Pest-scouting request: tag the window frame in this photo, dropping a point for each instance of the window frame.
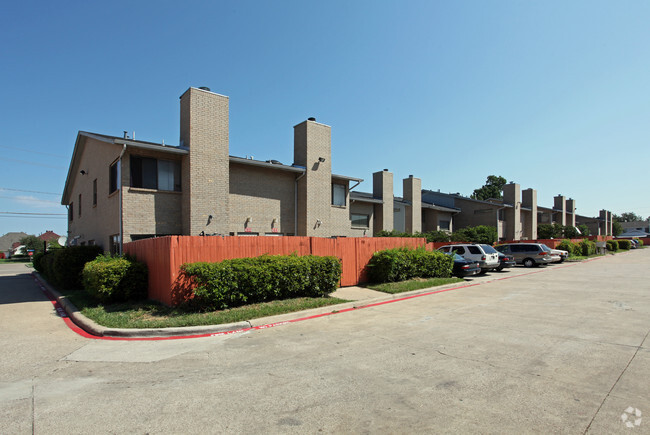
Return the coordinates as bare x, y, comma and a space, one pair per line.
113, 177
145, 173
345, 194
95, 192
367, 220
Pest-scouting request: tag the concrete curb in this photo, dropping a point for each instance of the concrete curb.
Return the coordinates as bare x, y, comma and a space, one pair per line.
101, 331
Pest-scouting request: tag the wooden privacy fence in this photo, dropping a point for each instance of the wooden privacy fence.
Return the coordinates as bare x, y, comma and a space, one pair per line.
165, 255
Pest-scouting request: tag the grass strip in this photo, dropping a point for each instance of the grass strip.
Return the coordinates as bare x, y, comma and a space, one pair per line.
149, 314
412, 284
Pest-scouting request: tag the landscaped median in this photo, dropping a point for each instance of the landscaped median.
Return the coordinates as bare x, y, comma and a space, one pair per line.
231, 293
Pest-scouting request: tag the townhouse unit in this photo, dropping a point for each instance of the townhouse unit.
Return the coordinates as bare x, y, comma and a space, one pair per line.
119, 189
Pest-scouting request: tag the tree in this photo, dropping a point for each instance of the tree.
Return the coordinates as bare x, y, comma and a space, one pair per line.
492, 188
629, 216
32, 242
617, 228
584, 229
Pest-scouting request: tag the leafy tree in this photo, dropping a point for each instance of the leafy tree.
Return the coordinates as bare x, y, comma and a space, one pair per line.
548, 231
479, 234
629, 216
32, 242
617, 228
570, 232
492, 188
584, 229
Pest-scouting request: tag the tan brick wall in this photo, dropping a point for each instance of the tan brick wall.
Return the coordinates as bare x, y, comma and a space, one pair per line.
571, 212
312, 141
477, 213
431, 220
559, 203
512, 215
96, 222
204, 129
382, 187
412, 188
263, 195
529, 219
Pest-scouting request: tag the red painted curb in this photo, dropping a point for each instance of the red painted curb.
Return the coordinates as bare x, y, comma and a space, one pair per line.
61, 312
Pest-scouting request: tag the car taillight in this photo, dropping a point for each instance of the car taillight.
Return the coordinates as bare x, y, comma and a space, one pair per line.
483, 258
543, 253
466, 266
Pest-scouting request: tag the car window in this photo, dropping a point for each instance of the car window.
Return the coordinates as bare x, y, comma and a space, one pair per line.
474, 250
501, 248
444, 249
517, 248
457, 257
459, 250
488, 249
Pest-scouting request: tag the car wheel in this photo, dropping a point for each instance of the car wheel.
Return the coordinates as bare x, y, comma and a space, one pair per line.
529, 262
499, 269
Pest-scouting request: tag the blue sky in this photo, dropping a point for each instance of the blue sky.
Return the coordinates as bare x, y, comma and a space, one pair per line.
552, 95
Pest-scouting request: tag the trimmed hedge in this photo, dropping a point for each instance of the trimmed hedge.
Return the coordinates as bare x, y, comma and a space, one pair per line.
624, 244
570, 247
640, 242
399, 264
63, 267
612, 245
115, 279
587, 248
241, 281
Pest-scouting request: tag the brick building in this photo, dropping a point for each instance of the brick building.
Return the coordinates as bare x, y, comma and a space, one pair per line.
120, 189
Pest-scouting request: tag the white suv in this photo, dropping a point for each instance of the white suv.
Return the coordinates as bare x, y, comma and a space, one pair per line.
485, 255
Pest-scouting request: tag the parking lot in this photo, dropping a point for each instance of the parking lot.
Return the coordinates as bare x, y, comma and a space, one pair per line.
559, 349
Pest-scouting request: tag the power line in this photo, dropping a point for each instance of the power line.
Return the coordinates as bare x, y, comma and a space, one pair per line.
32, 151
33, 163
29, 191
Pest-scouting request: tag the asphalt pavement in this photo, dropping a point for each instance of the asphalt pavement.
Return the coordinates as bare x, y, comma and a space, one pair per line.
561, 350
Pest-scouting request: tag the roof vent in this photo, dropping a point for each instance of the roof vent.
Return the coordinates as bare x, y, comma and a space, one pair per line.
204, 88
311, 119
126, 134
385, 170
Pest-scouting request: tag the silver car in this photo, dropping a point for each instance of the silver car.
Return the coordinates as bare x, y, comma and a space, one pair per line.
528, 254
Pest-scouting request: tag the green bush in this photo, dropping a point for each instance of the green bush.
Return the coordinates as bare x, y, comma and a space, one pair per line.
115, 279
240, 281
640, 242
550, 231
570, 247
63, 267
570, 232
587, 247
481, 234
612, 245
624, 244
431, 236
584, 230
399, 264
37, 261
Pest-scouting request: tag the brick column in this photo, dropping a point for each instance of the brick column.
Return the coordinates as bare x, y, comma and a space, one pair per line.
559, 204
413, 194
570, 212
206, 170
511, 195
382, 188
529, 200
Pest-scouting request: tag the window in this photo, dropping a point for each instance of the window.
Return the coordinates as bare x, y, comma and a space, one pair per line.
79, 205
71, 212
444, 225
501, 215
338, 195
91, 243
94, 192
114, 244
149, 173
112, 177
474, 250
458, 250
360, 220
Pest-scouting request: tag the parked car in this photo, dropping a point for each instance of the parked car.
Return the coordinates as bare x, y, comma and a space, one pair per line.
528, 254
635, 243
505, 261
558, 255
479, 253
462, 267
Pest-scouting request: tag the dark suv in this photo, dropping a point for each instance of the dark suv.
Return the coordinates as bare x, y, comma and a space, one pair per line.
528, 254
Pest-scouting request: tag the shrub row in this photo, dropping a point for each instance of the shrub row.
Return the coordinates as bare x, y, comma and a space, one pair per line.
63, 267
115, 279
240, 281
398, 264
612, 245
624, 244
479, 234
